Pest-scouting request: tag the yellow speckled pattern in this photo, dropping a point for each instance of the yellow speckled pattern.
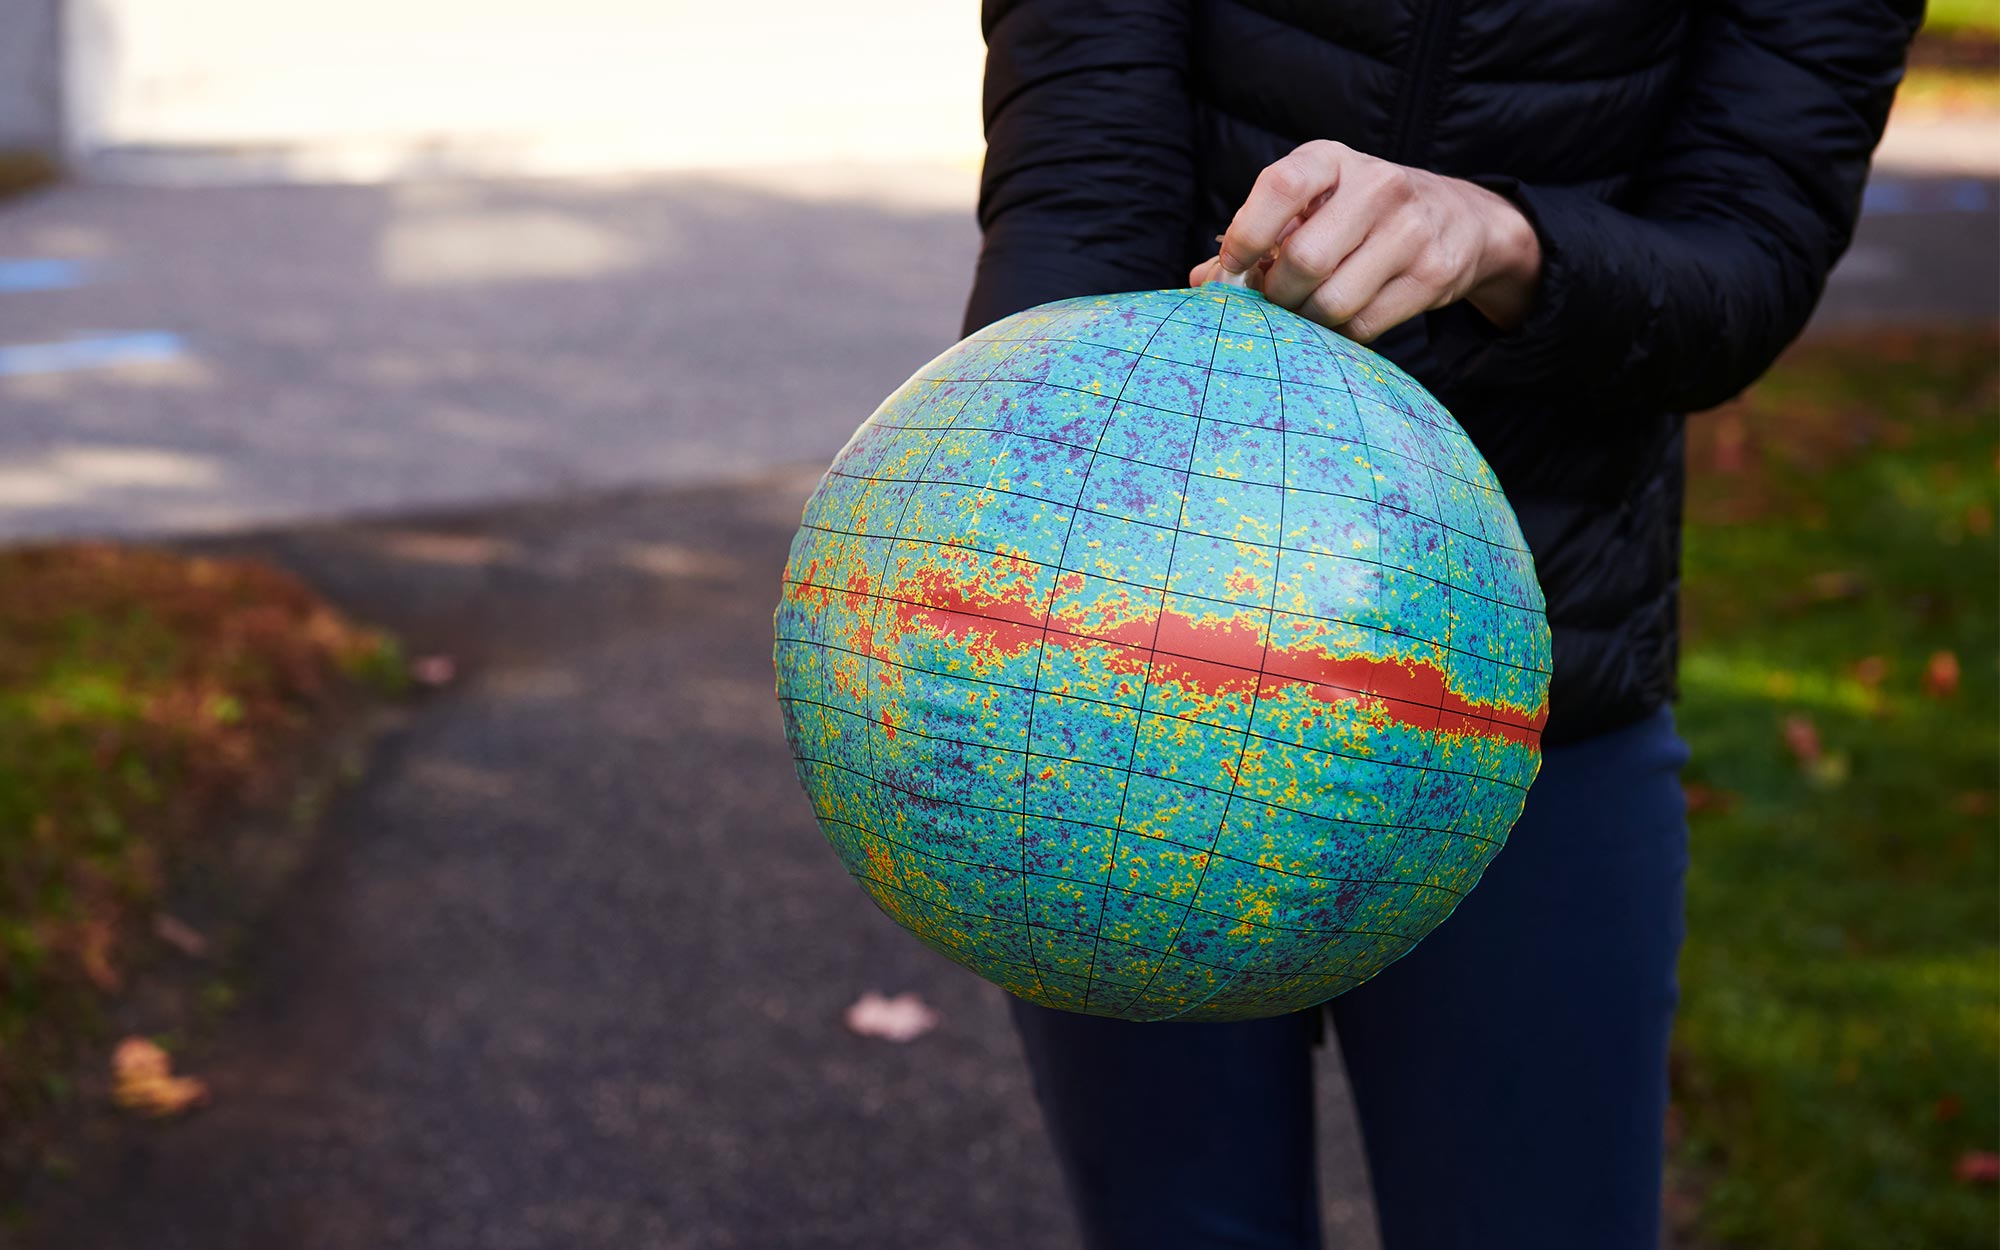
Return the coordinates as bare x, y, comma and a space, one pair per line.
1163, 656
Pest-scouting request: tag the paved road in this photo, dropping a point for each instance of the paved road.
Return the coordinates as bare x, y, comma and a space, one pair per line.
292, 353
569, 969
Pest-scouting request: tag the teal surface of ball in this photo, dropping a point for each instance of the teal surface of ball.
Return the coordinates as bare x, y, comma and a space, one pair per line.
1163, 656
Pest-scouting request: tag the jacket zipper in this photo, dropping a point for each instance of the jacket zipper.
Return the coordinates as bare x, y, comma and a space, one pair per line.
1420, 87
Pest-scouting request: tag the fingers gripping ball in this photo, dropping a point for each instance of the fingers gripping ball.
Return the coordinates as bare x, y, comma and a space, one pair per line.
1163, 656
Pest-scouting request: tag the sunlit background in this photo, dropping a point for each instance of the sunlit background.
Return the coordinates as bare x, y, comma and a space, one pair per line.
378, 88
396, 808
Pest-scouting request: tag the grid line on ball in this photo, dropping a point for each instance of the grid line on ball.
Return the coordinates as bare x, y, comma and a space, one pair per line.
1041, 657
1505, 603
1447, 658
1052, 876
903, 534
1243, 753
1139, 716
928, 903
1206, 911
1310, 966
918, 794
1448, 589
1139, 403
1085, 698
972, 915
874, 618
1384, 456
1454, 657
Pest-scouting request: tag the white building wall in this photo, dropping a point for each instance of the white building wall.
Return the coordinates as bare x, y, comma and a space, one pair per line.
369, 88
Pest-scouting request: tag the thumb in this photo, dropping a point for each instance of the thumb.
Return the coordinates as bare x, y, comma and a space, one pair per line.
1227, 265
1225, 268
1208, 271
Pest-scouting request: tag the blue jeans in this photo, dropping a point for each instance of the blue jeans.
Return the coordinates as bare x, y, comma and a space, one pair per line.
1510, 1073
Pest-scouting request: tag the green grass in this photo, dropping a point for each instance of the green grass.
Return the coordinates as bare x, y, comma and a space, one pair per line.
1963, 17
1955, 16
140, 691
1838, 1050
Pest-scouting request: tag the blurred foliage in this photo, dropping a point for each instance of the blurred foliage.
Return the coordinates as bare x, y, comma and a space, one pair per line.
1838, 1052
1945, 17
1954, 64
1932, 89
140, 692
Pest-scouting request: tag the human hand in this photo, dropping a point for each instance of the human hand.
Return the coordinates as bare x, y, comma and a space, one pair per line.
1361, 244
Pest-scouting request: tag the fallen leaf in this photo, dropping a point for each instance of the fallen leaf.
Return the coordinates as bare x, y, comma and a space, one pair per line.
433, 670
180, 935
1831, 770
1870, 670
1974, 802
1824, 768
903, 1018
1947, 1108
1802, 739
1706, 798
143, 1080
1835, 585
1897, 346
1941, 675
97, 947
1978, 1167
1732, 444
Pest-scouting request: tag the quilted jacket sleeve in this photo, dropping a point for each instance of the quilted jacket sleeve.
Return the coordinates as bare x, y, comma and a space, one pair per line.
1088, 185
1684, 293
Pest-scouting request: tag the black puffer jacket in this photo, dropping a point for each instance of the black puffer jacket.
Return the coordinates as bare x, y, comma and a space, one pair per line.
1693, 171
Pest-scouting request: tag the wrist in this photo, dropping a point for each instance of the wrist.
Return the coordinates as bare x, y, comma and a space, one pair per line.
1510, 267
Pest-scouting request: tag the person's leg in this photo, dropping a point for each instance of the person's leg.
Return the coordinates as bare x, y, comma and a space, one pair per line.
1511, 1071
1177, 1136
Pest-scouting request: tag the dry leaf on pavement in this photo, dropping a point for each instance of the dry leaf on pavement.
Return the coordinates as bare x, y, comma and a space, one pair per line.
433, 670
180, 935
903, 1018
143, 1080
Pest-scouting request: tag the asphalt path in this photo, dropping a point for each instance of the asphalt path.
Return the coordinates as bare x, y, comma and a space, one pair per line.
569, 967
